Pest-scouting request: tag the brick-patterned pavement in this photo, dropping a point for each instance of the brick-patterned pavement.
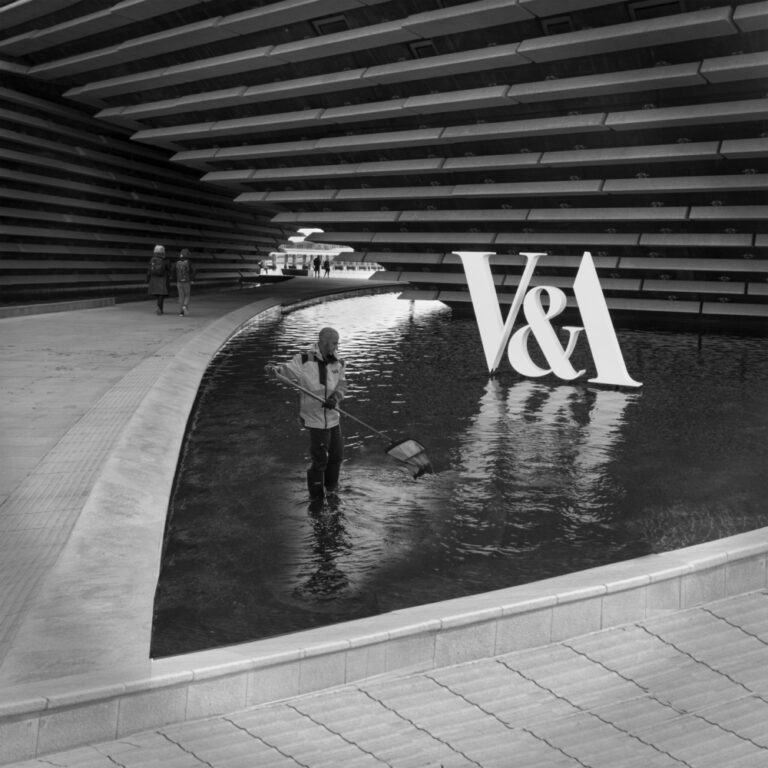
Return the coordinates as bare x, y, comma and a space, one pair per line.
689, 690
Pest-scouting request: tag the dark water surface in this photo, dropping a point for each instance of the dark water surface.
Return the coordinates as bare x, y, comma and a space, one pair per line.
534, 478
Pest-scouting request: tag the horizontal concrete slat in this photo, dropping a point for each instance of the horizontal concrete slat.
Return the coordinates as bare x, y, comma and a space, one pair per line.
459, 296
751, 17
453, 101
544, 8
671, 76
69, 278
696, 240
340, 43
690, 114
419, 295
278, 149
398, 167
41, 39
437, 278
417, 137
343, 237
337, 217
728, 212
701, 150
564, 124
479, 215
744, 148
401, 257
491, 162
606, 283
694, 286
465, 18
376, 168
394, 193
636, 34
476, 60
100, 265
140, 173
233, 127
164, 42
378, 110
694, 265
734, 309
231, 63
497, 260
666, 213
280, 14
449, 239
579, 187
585, 239
548, 260
653, 305
19, 13
744, 182
742, 66
237, 96
224, 176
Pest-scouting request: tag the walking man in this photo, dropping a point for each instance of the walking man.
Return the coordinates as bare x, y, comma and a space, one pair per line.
322, 373
185, 274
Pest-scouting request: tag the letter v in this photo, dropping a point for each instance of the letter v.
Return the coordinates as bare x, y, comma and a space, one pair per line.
494, 333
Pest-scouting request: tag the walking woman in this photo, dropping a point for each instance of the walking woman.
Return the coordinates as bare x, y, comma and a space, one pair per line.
158, 277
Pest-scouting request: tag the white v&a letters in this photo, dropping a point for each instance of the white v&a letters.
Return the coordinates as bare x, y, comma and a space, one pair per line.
496, 334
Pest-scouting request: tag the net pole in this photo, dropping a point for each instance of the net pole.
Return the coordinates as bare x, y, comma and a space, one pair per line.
298, 386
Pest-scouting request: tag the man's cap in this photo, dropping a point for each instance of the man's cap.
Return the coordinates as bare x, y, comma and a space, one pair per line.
159, 249
185, 252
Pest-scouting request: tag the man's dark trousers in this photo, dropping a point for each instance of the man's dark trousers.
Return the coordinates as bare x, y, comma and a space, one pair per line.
326, 448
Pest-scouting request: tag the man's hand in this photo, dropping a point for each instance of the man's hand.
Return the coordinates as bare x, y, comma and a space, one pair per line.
330, 402
271, 370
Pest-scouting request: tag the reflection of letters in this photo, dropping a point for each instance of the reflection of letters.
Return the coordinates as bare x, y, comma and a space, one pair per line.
495, 333
553, 444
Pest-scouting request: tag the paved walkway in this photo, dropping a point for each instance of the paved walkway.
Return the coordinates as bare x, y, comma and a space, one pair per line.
685, 688
686, 691
70, 384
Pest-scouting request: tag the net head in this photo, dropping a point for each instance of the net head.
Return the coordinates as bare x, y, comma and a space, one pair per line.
412, 453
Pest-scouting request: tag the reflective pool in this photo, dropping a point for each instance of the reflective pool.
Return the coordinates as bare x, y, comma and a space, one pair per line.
534, 478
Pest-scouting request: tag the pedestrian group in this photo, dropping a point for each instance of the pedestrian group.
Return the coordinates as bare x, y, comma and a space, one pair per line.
161, 271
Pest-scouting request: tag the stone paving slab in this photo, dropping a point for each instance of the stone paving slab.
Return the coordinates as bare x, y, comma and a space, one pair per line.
603, 701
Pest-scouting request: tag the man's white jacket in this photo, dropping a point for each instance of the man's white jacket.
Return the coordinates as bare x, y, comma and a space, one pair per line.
322, 378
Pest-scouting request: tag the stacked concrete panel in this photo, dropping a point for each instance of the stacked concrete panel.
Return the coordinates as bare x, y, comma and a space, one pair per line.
408, 130
82, 207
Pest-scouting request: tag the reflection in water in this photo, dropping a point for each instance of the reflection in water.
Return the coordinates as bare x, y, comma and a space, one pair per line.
329, 541
534, 478
551, 445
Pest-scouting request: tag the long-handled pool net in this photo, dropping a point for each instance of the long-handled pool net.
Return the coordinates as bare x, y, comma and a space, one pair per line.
408, 451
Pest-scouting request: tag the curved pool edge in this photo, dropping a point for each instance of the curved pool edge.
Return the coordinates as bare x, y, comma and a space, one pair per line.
137, 694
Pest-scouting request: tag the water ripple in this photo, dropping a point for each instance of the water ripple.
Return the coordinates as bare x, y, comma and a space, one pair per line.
534, 478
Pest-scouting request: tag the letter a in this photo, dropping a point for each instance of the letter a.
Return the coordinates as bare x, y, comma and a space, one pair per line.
598, 327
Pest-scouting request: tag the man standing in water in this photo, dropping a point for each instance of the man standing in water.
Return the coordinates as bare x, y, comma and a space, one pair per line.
322, 373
